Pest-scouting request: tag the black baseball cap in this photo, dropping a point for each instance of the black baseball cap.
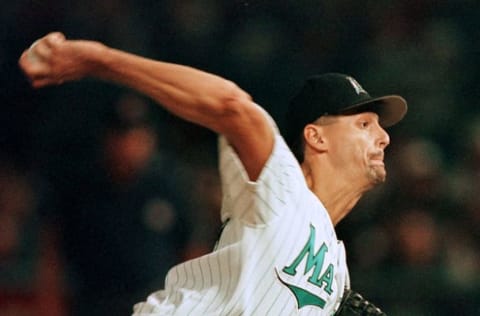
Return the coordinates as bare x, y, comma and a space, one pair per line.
337, 94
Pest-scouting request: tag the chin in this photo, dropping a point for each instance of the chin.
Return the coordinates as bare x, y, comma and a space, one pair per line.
381, 179
378, 175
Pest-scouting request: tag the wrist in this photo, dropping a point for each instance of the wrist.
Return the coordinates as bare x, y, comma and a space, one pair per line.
95, 57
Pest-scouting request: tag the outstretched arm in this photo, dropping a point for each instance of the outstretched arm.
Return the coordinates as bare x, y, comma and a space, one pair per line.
191, 94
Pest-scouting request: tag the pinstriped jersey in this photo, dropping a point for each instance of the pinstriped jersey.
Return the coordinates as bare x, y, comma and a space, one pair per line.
278, 253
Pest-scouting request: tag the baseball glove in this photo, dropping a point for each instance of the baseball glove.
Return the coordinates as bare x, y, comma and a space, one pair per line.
353, 304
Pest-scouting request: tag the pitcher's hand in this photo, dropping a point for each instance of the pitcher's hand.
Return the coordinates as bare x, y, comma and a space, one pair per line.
53, 59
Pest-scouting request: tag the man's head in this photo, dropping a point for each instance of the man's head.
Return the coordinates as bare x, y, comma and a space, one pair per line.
333, 113
130, 140
336, 94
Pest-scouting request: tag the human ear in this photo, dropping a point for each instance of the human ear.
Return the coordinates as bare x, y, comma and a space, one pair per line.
314, 137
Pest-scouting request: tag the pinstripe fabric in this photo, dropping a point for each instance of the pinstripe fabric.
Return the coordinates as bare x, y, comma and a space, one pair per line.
271, 225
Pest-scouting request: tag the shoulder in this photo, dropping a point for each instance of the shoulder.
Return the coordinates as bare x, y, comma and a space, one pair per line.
253, 138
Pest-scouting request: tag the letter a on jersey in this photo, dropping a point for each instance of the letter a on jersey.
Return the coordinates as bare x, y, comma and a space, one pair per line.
315, 261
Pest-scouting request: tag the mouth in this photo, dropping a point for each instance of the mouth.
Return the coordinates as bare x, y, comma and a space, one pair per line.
377, 159
375, 162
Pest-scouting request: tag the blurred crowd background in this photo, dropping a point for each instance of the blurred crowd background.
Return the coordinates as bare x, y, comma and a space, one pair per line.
101, 191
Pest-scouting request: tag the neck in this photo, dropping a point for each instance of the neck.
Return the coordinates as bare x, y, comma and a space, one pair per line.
336, 193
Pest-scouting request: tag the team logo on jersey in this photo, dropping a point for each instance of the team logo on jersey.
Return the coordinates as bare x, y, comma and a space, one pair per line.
319, 277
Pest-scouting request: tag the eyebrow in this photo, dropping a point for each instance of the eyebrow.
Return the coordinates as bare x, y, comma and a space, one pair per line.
369, 113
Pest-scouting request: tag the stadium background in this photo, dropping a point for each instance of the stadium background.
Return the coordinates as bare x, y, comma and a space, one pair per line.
413, 244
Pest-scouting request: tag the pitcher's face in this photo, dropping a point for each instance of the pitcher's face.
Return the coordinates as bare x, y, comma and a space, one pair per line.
356, 144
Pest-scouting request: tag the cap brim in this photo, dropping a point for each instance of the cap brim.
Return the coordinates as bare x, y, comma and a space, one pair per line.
390, 109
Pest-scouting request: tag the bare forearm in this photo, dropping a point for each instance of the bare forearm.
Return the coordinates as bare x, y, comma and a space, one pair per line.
190, 93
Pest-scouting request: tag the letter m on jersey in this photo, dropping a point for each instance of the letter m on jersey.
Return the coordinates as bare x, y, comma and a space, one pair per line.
315, 262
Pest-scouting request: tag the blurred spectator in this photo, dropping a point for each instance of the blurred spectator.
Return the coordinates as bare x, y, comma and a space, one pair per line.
466, 172
131, 222
418, 177
406, 251
416, 264
31, 271
420, 56
416, 238
463, 253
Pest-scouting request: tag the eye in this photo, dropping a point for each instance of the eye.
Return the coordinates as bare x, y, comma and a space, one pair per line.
364, 123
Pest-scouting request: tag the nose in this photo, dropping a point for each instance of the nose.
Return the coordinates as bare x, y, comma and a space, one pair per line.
383, 138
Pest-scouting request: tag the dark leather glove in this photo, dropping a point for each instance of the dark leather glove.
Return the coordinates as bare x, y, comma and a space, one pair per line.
353, 304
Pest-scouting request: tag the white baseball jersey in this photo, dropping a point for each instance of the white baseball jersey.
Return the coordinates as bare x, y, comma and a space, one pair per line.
278, 253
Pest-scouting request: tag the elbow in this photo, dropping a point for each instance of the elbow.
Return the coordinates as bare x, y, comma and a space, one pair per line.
233, 101
225, 108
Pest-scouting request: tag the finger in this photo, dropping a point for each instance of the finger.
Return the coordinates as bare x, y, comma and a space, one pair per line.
40, 83
41, 49
25, 61
55, 38
45, 81
31, 67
